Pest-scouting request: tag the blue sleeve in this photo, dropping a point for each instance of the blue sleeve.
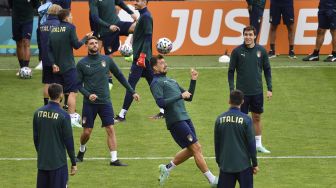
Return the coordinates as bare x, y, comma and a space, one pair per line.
74, 39
217, 140
251, 142
68, 139
80, 81
191, 90
231, 70
50, 53
35, 133
267, 71
122, 5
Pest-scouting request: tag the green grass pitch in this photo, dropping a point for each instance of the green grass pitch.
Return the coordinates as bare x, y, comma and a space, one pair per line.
298, 122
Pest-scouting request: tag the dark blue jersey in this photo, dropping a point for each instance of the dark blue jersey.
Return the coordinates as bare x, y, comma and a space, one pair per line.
45, 28
327, 4
282, 3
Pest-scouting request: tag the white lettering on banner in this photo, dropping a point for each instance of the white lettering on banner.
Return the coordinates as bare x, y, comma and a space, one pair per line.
235, 26
196, 25
303, 26
183, 15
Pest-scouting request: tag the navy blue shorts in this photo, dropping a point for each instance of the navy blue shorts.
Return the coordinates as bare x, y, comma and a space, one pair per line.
253, 103
287, 13
48, 75
228, 180
327, 19
68, 80
90, 111
22, 30
183, 133
52, 178
137, 72
256, 17
94, 27
111, 39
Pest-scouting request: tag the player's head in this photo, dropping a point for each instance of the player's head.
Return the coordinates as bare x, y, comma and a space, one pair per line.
54, 9
65, 15
55, 92
92, 44
249, 33
140, 4
236, 98
158, 64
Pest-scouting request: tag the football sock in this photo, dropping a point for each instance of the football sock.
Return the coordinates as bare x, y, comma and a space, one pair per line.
21, 63
26, 63
122, 113
82, 148
211, 178
316, 52
66, 96
45, 101
272, 47
170, 166
291, 47
258, 141
161, 110
333, 53
113, 156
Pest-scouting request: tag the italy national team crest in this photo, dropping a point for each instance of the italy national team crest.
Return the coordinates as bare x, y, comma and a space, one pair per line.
103, 63
258, 54
190, 138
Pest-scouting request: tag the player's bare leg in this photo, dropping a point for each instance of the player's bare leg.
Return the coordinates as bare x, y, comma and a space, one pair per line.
26, 50
290, 29
272, 35
256, 118
315, 56
85, 136
112, 144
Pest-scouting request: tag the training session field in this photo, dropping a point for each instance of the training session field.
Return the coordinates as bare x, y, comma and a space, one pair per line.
298, 128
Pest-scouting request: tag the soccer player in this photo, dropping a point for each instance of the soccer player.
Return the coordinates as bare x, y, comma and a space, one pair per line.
142, 52
256, 11
52, 138
249, 60
284, 8
326, 20
62, 40
170, 96
235, 147
44, 30
103, 13
22, 28
93, 71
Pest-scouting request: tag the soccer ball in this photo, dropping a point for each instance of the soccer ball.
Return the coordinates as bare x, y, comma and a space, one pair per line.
75, 120
224, 59
126, 50
25, 73
164, 45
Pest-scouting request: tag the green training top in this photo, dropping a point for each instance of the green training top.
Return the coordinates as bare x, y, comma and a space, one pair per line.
93, 72
62, 40
23, 10
249, 64
52, 136
168, 95
235, 147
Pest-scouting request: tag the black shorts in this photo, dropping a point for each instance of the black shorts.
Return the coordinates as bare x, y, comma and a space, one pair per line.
22, 30
48, 75
229, 180
68, 80
287, 13
94, 27
111, 39
253, 103
90, 111
183, 133
327, 19
52, 178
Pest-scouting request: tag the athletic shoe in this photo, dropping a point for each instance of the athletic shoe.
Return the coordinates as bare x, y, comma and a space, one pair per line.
330, 58
214, 183
158, 116
39, 66
271, 54
311, 57
164, 174
291, 54
80, 156
119, 119
18, 73
117, 163
129, 59
110, 86
262, 149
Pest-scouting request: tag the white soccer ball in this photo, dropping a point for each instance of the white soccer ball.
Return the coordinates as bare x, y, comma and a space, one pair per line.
25, 73
126, 50
164, 46
75, 120
224, 59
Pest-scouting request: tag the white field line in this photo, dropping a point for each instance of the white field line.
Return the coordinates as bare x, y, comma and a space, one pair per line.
161, 158
200, 68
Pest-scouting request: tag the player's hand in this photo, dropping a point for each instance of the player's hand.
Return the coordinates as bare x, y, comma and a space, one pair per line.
194, 74
186, 95
89, 34
255, 170
141, 60
269, 95
93, 97
73, 170
55, 69
114, 28
136, 97
134, 17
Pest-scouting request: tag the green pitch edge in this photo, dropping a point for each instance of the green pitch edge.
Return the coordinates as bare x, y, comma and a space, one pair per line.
14, 46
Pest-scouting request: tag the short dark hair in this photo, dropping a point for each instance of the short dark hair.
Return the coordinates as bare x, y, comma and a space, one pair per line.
250, 28
55, 91
89, 38
154, 59
236, 97
62, 14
